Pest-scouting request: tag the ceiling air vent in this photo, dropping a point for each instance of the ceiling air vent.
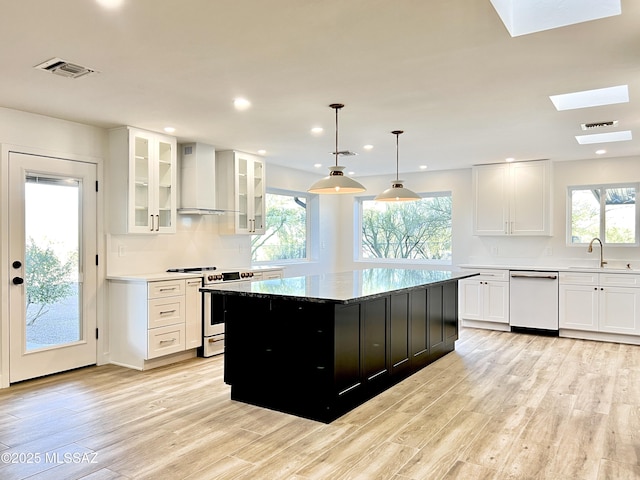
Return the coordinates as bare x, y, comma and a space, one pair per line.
591, 126
63, 68
345, 153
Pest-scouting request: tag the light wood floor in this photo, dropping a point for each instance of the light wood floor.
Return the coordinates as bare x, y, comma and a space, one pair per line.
503, 406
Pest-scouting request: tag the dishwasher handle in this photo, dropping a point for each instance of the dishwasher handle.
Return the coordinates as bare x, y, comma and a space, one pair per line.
534, 275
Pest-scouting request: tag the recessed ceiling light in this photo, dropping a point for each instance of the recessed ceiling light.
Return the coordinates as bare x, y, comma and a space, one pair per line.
317, 130
604, 137
110, 3
368, 147
600, 152
351, 173
241, 103
317, 165
261, 152
423, 167
591, 98
169, 129
509, 159
528, 16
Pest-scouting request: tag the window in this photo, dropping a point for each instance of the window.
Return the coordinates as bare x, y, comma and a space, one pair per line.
604, 211
285, 236
418, 230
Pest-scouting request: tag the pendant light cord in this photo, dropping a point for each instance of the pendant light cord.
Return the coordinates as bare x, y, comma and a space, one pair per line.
336, 107
397, 134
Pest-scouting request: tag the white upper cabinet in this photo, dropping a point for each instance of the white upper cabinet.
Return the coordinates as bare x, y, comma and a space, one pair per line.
143, 177
241, 190
512, 198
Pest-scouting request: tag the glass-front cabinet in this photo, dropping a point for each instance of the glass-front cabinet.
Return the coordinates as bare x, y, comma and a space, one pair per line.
142, 164
241, 191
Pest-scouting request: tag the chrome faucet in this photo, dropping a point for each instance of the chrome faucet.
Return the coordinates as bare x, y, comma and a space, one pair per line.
590, 250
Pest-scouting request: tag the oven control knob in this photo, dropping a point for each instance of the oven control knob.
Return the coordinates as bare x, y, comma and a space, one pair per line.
250, 274
209, 278
243, 275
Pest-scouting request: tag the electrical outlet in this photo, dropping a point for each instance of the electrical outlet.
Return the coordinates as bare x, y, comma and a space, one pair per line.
122, 251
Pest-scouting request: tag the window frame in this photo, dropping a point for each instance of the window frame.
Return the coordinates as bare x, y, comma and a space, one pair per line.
602, 225
311, 214
359, 215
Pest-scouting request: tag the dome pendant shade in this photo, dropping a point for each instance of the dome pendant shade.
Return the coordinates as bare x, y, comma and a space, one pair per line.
336, 182
397, 192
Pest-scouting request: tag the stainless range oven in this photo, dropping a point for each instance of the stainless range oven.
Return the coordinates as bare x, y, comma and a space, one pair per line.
213, 308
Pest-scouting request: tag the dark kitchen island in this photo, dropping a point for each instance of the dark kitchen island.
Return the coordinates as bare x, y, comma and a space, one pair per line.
317, 346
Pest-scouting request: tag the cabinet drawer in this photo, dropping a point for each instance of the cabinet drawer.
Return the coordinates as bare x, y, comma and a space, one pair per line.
166, 288
579, 278
166, 311
165, 340
619, 280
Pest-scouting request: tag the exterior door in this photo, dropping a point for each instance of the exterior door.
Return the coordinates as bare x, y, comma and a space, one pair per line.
52, 264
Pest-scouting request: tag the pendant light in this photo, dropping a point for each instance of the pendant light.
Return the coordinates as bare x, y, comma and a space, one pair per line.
336, 182
397, 192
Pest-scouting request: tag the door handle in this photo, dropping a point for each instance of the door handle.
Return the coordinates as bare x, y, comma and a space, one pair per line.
16, 264
17, 280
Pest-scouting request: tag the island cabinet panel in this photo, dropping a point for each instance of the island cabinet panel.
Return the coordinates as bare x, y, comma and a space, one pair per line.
399, 341
374, 330
419, 328
436, 322
347, 348
320, 359
450, 314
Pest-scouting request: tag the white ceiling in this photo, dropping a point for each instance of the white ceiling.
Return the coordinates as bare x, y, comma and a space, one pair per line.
446, 72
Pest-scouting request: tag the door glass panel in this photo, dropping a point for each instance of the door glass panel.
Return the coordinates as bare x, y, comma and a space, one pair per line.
164, 184
141, 176
243, 189
53, 287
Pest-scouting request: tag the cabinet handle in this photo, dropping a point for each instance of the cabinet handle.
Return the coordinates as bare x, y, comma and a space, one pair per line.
511, 229
157, 223
168, 341
152, 223
167, 311
506, 228
167, 289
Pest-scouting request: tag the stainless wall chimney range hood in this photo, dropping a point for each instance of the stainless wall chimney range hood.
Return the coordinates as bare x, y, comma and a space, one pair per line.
198, 180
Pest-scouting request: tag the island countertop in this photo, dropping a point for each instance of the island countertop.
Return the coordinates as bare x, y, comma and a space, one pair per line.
342, 287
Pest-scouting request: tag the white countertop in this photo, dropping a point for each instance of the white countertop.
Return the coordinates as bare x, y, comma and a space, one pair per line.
552, 268
154, 277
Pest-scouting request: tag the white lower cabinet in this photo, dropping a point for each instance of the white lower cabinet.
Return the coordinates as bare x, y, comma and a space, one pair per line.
150, 320
484, 300
604, 303
193, 314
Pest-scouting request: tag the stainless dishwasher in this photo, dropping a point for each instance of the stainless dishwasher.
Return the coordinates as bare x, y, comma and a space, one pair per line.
533, 301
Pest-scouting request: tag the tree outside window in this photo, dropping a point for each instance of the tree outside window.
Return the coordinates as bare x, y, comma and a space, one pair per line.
418, 230
285, 236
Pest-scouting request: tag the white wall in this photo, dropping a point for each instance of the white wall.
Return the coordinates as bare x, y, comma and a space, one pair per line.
532, 250
197, 241
458, 182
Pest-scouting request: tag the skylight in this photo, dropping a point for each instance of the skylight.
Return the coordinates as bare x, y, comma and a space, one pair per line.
604, 137
522, 17
591, 98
